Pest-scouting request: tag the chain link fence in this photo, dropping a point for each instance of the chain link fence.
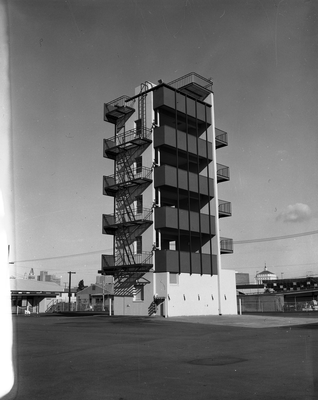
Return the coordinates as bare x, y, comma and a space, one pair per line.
251, 303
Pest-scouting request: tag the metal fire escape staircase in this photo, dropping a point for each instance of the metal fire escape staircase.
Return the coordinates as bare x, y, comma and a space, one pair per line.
127, 222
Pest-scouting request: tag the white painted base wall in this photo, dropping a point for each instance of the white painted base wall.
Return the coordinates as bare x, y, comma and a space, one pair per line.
198, 295
193, 295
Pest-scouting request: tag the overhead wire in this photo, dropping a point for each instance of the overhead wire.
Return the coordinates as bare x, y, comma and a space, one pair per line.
58, 257
247, 241
275, 238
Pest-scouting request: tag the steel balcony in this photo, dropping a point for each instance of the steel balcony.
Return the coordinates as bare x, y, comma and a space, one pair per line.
126, 141
135, 176
223, 173
221, 139
111, 222
193, 85
226, 245
225, 209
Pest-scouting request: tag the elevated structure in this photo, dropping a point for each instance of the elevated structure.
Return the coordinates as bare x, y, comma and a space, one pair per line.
265, 275
31, 294
165, 224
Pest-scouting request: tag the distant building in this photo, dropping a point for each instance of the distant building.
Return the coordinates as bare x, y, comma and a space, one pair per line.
265, 276
104, 280
45, 277
242, 278
31, 295
292, 284
95, 298
31, 274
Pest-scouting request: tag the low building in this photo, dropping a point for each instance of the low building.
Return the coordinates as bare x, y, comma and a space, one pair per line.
31, 295
95, 298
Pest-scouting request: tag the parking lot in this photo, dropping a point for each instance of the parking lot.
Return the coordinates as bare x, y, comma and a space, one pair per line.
130, 358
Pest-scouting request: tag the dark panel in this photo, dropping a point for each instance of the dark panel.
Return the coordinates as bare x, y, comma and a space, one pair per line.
167, 217
165, 97
168, 261
167, 176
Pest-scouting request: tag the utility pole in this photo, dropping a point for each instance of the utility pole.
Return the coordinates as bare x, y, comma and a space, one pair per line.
103, 294
69, 289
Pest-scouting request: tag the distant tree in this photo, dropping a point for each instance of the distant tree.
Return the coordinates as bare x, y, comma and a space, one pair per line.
81, 285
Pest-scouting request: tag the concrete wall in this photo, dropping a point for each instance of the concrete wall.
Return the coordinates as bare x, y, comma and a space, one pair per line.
197, 294
125, 305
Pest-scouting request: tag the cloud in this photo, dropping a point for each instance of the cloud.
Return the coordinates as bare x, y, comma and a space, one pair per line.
295, 213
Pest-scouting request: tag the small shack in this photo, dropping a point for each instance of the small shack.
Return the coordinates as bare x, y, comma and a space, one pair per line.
96, 297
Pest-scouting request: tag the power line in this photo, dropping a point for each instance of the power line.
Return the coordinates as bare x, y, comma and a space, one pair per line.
294, 265
275, 238
234, 242
57, 257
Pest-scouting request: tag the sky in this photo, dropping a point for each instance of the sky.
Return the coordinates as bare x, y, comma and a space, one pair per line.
67, 58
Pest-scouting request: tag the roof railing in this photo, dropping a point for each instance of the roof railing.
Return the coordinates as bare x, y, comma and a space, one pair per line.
192, 77
119, 102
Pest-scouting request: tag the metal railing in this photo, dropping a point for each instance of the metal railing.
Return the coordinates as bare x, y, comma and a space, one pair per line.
221, 137
192, 77
271, 303
249, 303
304, 306
119, 102
60, 305
223, 171
225, 207
127, 137
226, 245
134, 173
144, 258
125, 217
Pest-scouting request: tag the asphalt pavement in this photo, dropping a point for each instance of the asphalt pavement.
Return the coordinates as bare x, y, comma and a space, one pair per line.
129, 358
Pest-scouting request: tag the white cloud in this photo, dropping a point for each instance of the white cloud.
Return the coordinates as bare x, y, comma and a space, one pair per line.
298, 212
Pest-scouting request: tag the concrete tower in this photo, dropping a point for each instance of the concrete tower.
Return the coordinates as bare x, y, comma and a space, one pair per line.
165, 225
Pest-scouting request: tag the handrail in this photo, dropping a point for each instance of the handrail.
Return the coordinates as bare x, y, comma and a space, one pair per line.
221, 135
128, 136
223, 170
225, 206
138, 258
120, 101
143, 172
226, 244
125, 217
192, 77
